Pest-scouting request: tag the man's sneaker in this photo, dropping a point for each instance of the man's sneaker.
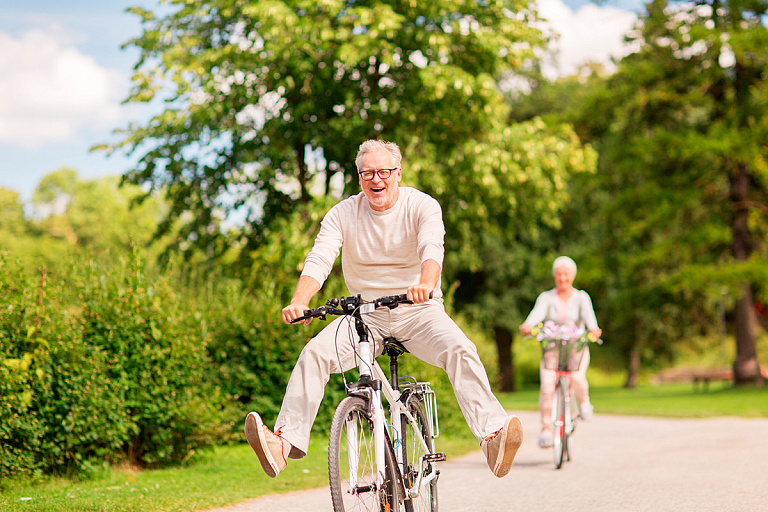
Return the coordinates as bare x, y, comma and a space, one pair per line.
545, 439
586, 411
501, 447
272, 449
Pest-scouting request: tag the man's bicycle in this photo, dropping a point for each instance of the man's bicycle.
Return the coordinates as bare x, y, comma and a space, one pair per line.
377, 463
563, 350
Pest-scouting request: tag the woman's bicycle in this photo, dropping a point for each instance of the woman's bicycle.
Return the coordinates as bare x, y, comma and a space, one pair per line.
377, 463
563, 348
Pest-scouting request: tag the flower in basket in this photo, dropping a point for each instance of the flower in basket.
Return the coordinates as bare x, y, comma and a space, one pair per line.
550, 335
546, 334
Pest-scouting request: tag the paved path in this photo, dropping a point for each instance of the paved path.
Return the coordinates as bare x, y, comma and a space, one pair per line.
620, 464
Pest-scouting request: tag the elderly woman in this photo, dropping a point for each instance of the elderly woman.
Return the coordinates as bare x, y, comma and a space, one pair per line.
562, 304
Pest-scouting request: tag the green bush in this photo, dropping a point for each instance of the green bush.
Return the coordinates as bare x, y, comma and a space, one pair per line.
156, 368
103, 366
22, 356
253, 351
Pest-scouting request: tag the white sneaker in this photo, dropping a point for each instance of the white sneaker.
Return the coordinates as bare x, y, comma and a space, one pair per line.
501, 447
269, 446
586, 411
545, 439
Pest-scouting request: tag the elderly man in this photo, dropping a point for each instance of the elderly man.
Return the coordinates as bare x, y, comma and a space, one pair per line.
393, 242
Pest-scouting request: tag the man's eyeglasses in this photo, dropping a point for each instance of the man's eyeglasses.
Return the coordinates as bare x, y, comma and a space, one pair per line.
383, 174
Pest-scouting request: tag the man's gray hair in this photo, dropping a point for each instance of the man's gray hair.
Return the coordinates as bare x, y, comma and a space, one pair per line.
372, 145
564, 261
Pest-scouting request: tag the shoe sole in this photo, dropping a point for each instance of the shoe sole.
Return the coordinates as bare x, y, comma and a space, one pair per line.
254, 433
512, 439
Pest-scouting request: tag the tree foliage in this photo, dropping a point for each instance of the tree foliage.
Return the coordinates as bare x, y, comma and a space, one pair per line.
266, 102
504, 198
679, 202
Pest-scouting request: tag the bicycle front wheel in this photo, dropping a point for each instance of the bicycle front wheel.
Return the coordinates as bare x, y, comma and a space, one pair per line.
352, 463
559, 434
413, 456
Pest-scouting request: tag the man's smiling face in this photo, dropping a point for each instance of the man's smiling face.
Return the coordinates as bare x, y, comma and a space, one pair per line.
381, 193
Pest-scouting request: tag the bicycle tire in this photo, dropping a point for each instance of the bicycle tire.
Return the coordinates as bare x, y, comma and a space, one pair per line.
413, 451
352, 422
559, 434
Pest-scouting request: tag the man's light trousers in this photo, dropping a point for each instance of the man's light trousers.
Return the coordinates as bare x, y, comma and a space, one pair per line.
426, 331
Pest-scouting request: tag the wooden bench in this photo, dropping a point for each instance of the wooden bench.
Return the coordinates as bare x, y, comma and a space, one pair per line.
700, 377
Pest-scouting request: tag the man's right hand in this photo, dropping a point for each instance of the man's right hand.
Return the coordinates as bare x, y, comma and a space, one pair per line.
292, 311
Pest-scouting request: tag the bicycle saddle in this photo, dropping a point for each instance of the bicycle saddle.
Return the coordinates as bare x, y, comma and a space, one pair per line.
393, 346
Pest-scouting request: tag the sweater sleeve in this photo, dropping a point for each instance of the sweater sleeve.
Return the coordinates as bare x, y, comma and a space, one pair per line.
587, 311
539, 312
319, 261
431, 233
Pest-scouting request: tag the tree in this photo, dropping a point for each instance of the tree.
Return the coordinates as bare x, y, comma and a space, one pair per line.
95, 215
682, 192
267, 101
11, 213
505, 196
706, 114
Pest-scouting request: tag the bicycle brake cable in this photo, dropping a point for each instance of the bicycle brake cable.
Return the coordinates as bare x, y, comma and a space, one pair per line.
338, 357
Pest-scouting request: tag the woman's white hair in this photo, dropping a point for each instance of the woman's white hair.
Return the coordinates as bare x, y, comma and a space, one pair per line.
372, 145
564, 261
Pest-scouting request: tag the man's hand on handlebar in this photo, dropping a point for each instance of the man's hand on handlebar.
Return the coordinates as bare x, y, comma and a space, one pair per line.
420, 293
293, 311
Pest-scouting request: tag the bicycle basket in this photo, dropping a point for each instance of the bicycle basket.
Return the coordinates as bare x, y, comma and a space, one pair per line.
565, 356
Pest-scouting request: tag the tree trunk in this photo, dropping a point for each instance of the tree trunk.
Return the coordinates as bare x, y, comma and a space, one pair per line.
504, 341
746, 368
633, 368
301, 165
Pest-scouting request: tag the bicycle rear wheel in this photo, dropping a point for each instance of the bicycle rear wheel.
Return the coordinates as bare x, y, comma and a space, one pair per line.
413, 453
559, 433
352, 463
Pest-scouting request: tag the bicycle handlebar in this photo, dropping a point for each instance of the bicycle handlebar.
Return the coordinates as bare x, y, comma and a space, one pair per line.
349, 305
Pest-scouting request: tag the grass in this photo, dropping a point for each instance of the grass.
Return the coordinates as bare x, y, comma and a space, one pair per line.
669, 400
231, 474
217, 478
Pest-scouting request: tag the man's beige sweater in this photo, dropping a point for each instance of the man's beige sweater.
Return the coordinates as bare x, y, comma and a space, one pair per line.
382, 251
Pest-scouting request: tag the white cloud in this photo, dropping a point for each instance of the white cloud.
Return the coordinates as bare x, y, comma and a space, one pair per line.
591, 34
50, 92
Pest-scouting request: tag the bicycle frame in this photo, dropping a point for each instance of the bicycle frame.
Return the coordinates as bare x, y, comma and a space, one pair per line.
370, 372
403, 470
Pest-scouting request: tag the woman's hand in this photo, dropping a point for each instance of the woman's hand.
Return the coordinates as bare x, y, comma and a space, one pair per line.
525, 329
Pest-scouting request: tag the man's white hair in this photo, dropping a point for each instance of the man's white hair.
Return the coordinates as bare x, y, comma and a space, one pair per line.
372, 145
564, 261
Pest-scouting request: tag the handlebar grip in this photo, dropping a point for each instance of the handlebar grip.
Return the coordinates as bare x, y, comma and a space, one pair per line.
307, 314
404, 297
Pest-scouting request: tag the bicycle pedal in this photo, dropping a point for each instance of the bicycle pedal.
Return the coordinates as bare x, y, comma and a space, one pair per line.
435, 457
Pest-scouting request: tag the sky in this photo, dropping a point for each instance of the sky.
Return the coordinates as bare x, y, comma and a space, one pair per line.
63, 76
